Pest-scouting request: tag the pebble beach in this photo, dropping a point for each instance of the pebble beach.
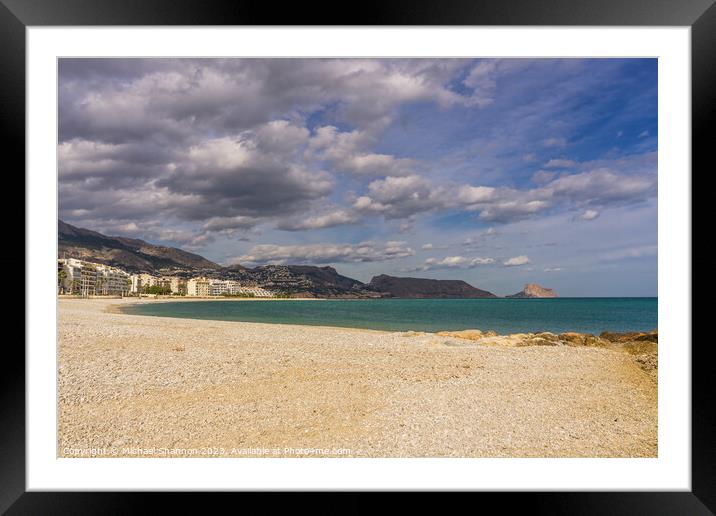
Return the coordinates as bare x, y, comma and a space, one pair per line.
141, 386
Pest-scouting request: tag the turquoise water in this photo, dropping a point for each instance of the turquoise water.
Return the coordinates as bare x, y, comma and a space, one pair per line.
584, 315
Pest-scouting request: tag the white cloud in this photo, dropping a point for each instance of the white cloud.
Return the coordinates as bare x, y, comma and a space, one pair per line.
453, 262
560, 163
325, 253
335, 218
347, 151
516, 261
554, 142
238, 222
589, 215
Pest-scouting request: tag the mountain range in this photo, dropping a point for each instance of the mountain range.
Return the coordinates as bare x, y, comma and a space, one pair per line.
136, 256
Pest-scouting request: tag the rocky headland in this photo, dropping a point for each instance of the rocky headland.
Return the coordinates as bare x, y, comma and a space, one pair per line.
532, 290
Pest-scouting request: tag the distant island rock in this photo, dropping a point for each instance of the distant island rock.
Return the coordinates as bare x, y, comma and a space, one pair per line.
532, 290
419, 288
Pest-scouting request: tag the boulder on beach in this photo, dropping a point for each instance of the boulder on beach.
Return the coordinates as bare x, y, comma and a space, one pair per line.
652, 336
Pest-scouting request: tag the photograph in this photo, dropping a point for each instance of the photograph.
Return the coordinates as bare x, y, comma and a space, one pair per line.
357, 257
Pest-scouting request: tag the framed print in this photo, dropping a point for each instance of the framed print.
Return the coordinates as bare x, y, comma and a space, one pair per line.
432, 250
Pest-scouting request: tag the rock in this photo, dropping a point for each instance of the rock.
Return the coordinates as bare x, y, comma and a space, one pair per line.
583, 339
413, 334
636, 347
544, 338
652, 336
463, 334
649, 362
532, 290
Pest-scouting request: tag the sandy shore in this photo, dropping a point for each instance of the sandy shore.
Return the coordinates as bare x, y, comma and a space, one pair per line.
148, 386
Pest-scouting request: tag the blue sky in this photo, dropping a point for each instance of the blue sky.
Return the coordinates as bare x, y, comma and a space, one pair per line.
495, 171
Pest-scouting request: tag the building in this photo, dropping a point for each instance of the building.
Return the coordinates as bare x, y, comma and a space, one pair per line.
177, 285
256, 292
198, 287
111, 281
234, 288
79, 277
141, 282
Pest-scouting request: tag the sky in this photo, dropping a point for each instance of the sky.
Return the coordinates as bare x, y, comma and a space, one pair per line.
498, 172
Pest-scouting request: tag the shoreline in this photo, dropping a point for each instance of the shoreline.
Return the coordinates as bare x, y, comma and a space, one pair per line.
130, 382
132, 301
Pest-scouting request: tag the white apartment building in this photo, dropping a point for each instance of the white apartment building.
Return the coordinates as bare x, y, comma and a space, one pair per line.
174, 284
256, 291
233, 288
111, 281
141, 281
89, 279
177, 285
219, 287
198, 287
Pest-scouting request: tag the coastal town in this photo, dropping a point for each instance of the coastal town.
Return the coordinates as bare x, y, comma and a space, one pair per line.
88, 279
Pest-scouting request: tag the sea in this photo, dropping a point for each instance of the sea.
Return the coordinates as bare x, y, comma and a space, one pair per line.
583, 315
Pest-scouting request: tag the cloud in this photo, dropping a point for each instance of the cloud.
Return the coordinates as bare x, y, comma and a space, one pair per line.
602, 187
516, 261
206, 138
560, 163
348, 152
130, 99
631, 252
223, 223
427, 247
334, 218
405, 227
397, 197
589, 215
325, 253
553, 269
554, 142
643, 134
483, 78
543, 176
453, 262
200, 151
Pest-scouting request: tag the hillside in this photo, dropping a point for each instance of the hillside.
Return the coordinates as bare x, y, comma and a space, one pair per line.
136, 255
131, 254
425, 288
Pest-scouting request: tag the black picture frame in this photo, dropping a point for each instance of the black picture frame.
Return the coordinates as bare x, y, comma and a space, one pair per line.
17, 15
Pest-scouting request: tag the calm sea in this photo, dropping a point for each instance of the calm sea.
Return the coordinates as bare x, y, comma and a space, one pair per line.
584, 315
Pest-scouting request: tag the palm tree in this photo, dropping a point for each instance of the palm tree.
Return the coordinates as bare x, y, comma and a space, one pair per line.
61, 276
